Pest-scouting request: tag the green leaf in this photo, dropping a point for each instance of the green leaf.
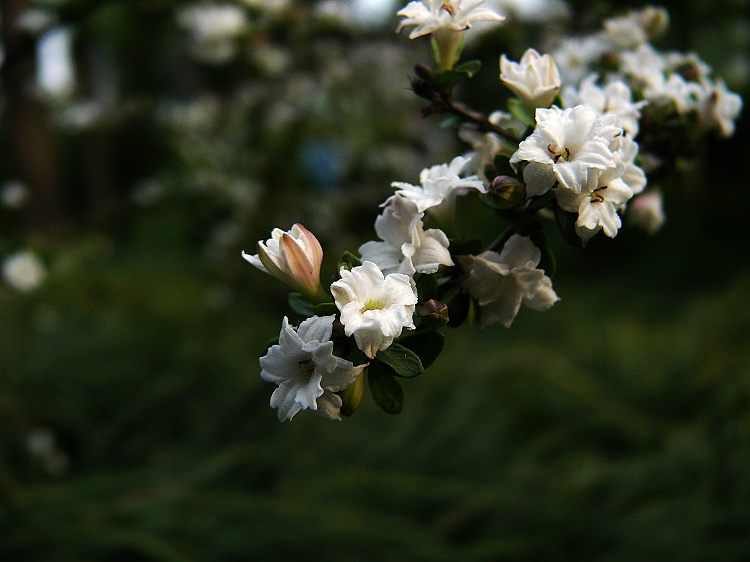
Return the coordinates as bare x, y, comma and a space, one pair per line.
385, 388
427, 344
325, 309
403, 361
567, 223
470, 68
300, 305
520, 111
348, 261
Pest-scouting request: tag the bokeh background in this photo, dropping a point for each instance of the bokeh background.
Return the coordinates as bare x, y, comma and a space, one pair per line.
145, 143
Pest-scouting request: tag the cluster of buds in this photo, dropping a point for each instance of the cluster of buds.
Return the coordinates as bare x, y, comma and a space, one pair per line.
567, 147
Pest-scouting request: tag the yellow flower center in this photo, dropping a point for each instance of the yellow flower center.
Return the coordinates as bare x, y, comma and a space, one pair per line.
372, 304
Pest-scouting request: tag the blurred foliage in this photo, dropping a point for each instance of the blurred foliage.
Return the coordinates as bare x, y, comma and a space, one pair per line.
133, 423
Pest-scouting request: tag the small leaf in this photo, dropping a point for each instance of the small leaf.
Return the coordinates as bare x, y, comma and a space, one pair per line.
403, 361
427, 344
469, 67
566, 221
300, 305
348, 261
325, 309
520, 111
385, 388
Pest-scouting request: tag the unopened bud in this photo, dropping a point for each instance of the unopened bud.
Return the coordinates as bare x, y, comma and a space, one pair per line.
654, 21
423, 71
434, 314
506, 192
351, 396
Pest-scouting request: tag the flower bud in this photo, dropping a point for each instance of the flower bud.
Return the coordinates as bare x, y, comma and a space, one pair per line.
351, 396
535, 79
434, 314
654, 21
506, 192
293, 257
423, 71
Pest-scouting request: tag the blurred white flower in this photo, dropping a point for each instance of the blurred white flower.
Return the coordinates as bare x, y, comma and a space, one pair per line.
24, 271
647, 211
307, 373
535, 79
407, 247
719, 108
501, 282
439, 187
293, 257
453, 15
575, 55
614, 97
374, 308
14, 194
570, 147
214, 28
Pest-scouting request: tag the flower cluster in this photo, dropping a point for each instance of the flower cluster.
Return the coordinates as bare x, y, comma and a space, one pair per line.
567, 152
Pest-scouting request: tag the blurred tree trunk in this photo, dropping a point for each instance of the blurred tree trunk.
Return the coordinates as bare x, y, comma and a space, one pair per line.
34, 153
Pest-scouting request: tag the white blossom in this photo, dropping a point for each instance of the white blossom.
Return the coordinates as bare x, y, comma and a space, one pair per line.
293, 257
501, 282
597, 209
429, 16
374, 308
439, 187
719, 108
575, 55
571, 147
615, 97
24, 271
307, 373
406, 247
625, 32
535, 79
214, 28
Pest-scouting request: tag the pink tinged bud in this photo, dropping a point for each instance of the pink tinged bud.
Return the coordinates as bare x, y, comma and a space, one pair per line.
293, 257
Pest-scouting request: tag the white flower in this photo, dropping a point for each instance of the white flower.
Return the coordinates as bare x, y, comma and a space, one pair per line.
374, 308
454, 15
24, 271
615, 97
647, 211
598, 206
439, 187
535, 79
213, 27
597, 209
501, 282
719, 108
571, 147
625, 32
645, 64
307, 373
575, 56
632, 174
407, 247
293, 257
